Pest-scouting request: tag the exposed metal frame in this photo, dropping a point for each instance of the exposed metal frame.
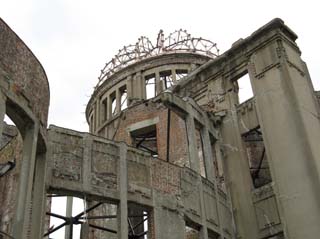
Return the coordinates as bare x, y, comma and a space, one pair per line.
177, 41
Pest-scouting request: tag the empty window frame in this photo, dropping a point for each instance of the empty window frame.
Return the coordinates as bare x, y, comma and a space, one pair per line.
180, 73
257, 158
113, 101
146, 139
200, 154
217, 164
192, 232
245, 90
166, 79
91, 122
104, 109
150, 83
123, 98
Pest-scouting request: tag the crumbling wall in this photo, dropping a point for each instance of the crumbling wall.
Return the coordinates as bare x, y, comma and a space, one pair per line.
150, 110
10, 150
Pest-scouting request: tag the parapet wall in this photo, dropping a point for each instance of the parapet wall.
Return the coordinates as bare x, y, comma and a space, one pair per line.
89, 166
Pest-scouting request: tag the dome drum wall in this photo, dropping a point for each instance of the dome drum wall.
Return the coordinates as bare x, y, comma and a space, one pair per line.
140, 81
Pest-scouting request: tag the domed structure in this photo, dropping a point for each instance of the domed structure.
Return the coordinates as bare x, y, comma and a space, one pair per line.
173, 150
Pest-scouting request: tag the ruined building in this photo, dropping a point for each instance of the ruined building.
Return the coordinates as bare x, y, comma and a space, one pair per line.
172, 153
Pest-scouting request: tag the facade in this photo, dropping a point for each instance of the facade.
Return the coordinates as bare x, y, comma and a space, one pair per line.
171, 151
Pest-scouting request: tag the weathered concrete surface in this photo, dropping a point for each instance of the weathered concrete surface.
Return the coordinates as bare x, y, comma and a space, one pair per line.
200, 130
100, 175
24, 93
10, 150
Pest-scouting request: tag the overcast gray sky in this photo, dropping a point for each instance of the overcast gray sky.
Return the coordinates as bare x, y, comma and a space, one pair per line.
74, 39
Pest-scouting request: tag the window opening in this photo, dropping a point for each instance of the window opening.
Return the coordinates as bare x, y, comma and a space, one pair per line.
150, 82
191, 233
9, 147
200, 154
257, 158
146, 139
138, 220
180, 73
124, 97
91, 122
166, 79
104, 109
113, 103
218, 164
245, 90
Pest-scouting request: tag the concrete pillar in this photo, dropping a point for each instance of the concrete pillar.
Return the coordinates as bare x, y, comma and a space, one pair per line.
208, 155
139, 87
109, 107
289, 118
39, 198
69, 229
22, 216
118, 101
122, 209
2, 111
217, 148
192, 144
159, 84
97, 114
238, 173
174, 76
130, 91
195, 165
211, 175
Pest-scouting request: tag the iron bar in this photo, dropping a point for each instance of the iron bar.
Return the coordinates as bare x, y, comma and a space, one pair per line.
99, 217
131, 227
138, 224
55, 229
56, 215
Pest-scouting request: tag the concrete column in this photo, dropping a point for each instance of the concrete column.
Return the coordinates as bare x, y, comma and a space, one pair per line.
174, 76
289, 118
159, 84
118, 101
69, 229
211, 175
87, 159
22, 216
238, 173
208, 155
109, 108
195, 165
130, 91
39, 198
2, 111
192, 144
221, 226
122, 209
203, 230
98, 115
139, 87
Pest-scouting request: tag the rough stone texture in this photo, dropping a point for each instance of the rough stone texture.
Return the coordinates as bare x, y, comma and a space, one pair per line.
24, 72
11, 148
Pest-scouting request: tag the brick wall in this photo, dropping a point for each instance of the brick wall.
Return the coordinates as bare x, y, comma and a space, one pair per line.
9, 182
178, 137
